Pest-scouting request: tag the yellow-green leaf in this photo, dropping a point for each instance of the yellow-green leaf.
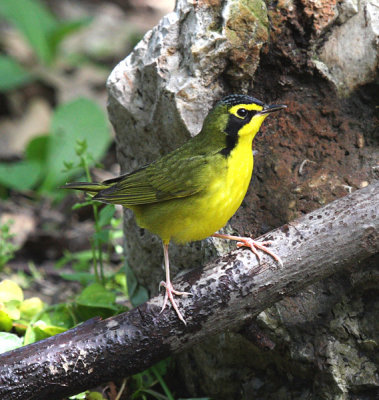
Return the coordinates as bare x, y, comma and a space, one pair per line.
9, 290
5, 321
31, 307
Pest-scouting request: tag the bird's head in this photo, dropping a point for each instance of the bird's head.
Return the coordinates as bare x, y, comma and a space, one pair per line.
245, 114
234, 117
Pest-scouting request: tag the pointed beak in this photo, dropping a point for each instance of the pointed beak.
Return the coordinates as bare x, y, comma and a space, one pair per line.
274, 107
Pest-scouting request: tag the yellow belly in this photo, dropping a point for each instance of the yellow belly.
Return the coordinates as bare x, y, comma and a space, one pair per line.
199, 216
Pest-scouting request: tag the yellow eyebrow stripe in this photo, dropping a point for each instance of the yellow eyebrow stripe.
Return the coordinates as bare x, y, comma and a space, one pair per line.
249, 107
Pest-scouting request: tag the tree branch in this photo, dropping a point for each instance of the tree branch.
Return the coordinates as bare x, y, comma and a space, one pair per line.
225, 294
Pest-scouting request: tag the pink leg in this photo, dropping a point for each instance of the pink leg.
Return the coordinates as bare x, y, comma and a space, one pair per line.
170, 291
252, 245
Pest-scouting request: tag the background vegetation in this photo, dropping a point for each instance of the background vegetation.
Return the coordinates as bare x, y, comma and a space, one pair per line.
61, 258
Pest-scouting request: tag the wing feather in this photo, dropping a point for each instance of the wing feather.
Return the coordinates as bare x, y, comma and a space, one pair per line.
168, 178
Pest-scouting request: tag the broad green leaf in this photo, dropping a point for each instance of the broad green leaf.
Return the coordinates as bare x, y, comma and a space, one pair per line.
80, 119
37, 148
94, 301
106, 214
12, 308
59, 316
34, 21
12, 74
29, 308
55, 320
84, 278
120, 279
48, 330
5, 321
95, 396
9, 341
22, 175
95, 295
9, 290
39, 331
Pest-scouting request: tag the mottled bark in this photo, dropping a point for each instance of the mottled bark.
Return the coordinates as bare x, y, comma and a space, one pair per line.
226, 293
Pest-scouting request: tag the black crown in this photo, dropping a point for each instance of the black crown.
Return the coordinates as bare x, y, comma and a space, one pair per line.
234, 99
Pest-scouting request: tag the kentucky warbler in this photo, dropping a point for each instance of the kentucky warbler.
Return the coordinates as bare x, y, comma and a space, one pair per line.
192, 192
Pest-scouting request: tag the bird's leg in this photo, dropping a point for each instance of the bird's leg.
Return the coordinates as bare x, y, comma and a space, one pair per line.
253, 245
170, 291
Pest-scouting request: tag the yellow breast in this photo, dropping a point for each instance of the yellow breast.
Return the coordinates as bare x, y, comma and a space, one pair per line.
226, 192
199, 216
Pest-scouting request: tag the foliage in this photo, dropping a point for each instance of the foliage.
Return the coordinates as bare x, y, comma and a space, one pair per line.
101, 219
45, 155
43, 37
24, 321
49, 162
33, 320
12, 74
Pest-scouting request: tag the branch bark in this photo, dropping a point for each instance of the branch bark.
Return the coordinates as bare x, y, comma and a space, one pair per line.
225, 293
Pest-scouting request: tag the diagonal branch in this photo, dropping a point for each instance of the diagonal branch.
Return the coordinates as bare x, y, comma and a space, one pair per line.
225, 293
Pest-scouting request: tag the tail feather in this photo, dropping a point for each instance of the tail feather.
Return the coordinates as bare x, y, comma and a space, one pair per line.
89, 187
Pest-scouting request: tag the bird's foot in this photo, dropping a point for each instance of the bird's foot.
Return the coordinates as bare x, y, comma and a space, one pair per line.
170, 291
253, 245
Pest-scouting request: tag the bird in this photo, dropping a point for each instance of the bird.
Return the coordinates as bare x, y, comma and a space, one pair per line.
190, 193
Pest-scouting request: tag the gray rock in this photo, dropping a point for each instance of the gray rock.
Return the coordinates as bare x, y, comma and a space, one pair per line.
349, 57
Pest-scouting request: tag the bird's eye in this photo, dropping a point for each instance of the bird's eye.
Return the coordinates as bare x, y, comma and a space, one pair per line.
242, 112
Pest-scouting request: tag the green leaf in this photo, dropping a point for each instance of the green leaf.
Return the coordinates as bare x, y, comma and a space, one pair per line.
12, 308
37, 149
101, 237
9, 290
77, 206
55, 320
80, 119
81, 260
34, 21
94, 301
29, 308
40, 330
84, 278
95, 295
5, 321
22, 175
95, 396
64, 29
9, 341
106, 214
59, 315
79, 396
47, 330
12, 74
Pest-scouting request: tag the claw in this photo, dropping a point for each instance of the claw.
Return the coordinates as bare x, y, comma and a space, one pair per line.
170, 291
253, 245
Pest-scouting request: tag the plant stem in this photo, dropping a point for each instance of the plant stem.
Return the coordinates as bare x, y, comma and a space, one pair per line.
162, 383
96, 243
